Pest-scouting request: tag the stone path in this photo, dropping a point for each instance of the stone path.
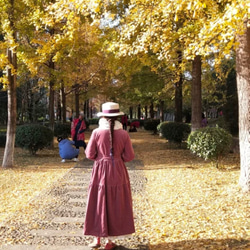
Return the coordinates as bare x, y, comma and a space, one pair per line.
58, 224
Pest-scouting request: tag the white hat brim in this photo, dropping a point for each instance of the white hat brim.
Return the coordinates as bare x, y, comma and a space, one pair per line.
109, 114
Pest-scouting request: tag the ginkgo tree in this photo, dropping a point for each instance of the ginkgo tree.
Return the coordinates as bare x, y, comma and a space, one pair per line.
196, 28
9, 30
77, 46
35, 33
166, 28
231, 29
39, 33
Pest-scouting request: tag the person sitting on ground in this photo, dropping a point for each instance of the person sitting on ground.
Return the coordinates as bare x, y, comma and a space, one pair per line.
67, 149
133, 126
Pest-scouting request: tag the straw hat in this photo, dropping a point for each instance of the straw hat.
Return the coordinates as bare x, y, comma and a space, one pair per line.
110, 109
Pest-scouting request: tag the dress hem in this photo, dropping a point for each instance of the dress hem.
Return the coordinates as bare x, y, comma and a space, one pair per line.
119, 237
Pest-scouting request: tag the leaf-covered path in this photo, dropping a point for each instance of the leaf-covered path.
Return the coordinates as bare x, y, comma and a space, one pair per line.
180, 202
58, 219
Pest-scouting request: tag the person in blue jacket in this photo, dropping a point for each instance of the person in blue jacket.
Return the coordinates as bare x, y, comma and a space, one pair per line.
67, 149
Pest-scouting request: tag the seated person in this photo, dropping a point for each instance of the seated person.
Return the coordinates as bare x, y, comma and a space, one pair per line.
133, 126
132, 129
67, 150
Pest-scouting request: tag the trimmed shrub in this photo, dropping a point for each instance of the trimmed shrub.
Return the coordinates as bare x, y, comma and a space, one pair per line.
136, 120
151, 124
93, 121
33, 137
62, 129
2, 139
87, 124
210, 143
174, 132
218, 122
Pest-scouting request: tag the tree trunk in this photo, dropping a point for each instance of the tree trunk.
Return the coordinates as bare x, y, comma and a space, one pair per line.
51, 96
196, 94
151, 111
86, 109
63, 103
139, 111
58, 106
77, 104
91, 110
178, 93
51, 105
178, 101
34, 117
146, 112
8, 158
51, 91
243, 86
131, 112
161, 111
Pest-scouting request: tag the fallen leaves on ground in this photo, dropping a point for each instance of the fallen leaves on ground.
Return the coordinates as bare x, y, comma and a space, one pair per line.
193, 204
30, 176
186, 202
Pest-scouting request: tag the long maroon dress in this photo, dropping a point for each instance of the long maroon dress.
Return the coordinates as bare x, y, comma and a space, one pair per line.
109, 208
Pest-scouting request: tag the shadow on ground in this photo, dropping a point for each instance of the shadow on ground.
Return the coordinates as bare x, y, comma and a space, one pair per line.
208, 244
125, 248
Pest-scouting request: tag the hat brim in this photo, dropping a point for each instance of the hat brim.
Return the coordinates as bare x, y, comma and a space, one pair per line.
109, 114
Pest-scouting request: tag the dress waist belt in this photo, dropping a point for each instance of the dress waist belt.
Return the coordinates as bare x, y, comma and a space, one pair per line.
108, 158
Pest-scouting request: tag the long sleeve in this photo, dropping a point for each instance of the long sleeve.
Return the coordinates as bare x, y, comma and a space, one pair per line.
91, 150
128, 153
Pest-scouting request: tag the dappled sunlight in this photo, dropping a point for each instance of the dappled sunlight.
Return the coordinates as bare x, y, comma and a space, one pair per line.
20, 185
30, 175
186, 203
156, 152
216, 244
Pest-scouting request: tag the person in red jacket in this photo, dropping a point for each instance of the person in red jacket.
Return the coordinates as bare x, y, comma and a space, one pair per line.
124, 121
78, 127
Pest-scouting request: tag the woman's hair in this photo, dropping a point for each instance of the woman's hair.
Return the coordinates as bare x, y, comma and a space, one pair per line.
111, 121
59, 138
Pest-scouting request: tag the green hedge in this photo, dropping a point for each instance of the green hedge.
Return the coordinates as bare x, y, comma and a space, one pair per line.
33, 137
210, 142
62, 129
151, 124
93, 121
174, 131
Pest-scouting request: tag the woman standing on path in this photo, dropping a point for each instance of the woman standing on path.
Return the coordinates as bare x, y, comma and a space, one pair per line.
109, 212
78, 127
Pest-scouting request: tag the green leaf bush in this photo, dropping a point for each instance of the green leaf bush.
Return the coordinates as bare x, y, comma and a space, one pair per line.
62, 129
33, 137
93, 121
210, 142
174, 132
151, 124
